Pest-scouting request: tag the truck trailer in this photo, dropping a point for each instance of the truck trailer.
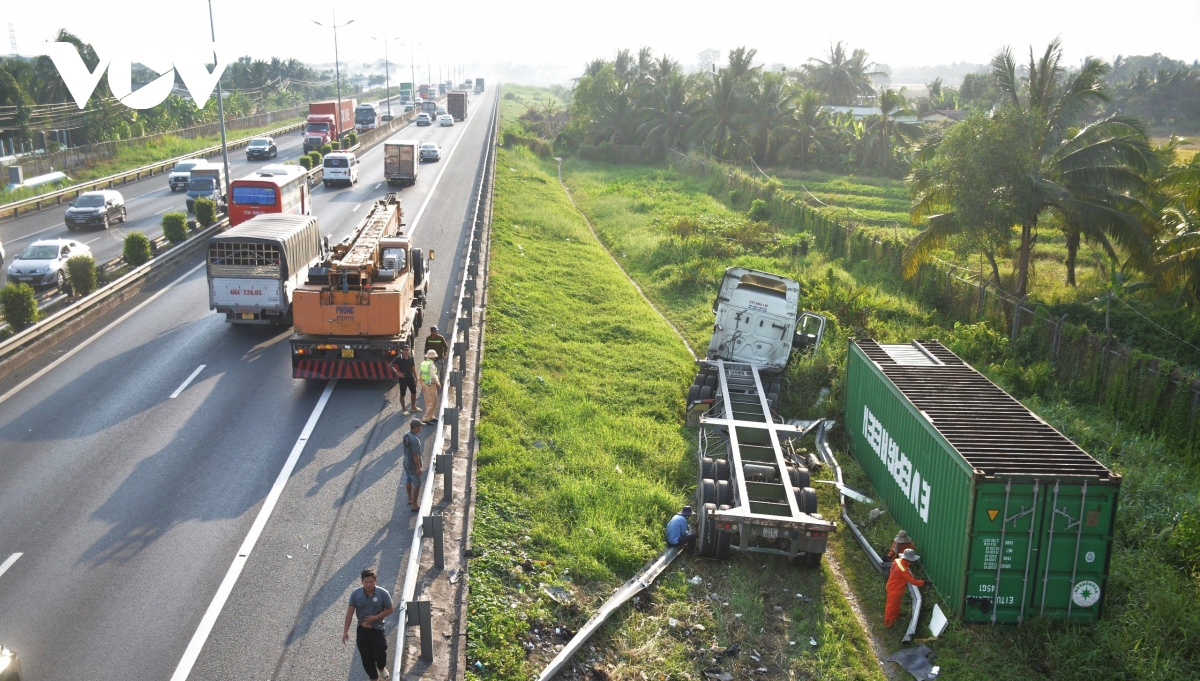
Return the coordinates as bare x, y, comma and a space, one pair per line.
753, 490
479, 86
325, 125
456, 105
400, 162
361, 302
254, 268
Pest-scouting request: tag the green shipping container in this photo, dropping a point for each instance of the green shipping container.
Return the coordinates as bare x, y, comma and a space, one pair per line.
1011, 518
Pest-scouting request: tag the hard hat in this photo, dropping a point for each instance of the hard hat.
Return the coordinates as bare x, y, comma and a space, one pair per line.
910, 555
430, 354
902, 537
687, 511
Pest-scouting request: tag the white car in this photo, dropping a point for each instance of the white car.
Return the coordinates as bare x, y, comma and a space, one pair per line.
441, 110
430, 151
445, 120
44, 263
340, 167
2, 256
423, 119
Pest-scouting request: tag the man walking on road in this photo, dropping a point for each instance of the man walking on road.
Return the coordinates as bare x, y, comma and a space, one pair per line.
438, 344
430, 385
678, 533
372, 603
406, 376
901, 576
411, 446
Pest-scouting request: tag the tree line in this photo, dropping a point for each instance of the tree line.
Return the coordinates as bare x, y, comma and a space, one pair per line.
33, 98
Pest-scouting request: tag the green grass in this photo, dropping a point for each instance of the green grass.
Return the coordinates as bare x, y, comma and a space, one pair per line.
1152, 624
128, 158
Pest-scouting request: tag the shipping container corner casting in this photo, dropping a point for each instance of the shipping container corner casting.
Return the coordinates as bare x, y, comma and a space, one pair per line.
1011, 518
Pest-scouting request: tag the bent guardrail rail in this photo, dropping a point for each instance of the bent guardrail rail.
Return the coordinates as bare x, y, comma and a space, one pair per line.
412, 611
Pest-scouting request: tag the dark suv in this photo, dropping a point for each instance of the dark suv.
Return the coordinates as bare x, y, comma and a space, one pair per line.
261, 147
95, 209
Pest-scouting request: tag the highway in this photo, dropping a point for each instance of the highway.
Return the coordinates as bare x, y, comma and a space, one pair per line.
134, 464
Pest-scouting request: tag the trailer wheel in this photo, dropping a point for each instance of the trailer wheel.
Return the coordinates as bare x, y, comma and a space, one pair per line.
773, 401
806, 500
418, 320
799, 476
706, 393
724, 539
708, 491
724, 492
706, 543
711, 381
418, 259
721, 469
693, 394
812, 560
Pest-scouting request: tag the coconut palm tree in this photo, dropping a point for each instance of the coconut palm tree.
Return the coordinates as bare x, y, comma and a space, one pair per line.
811, 128
767, 112
671, 113
841, 77
1177, 258
883, 131
722, 102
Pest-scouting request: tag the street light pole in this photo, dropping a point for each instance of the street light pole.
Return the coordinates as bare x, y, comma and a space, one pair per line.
220, 98
337, 66
387, 69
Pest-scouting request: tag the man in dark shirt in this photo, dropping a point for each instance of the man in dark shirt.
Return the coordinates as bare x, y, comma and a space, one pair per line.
371, 603
438, 344
411, 449
406, 376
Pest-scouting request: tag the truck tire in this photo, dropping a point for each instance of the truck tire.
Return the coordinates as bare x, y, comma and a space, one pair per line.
799, 476
706, 393
812, 560
418, 320
706, 543
693, 394
706, 468
707, 491
806, 500
721, 469
724, 492
418, 259
724, 539
711, 381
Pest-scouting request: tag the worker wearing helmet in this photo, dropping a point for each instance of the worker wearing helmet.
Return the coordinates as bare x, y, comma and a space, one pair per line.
430, 385
898, 580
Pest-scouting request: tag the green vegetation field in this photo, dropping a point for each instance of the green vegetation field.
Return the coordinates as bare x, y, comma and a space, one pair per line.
676, 234
129, 158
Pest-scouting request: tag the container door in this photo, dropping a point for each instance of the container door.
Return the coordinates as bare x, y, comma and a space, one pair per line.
1004, 552
1074, 545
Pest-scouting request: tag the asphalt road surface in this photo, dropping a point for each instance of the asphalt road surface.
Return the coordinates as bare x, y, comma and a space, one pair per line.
136, 456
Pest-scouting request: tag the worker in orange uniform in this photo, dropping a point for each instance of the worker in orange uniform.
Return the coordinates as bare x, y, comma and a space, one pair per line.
900, 576
899, 545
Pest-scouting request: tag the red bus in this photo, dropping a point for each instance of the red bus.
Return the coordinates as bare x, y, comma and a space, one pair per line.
271, 189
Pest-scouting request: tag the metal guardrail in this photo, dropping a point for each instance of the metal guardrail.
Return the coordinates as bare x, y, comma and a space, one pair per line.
34, 204
414, 612
165, 259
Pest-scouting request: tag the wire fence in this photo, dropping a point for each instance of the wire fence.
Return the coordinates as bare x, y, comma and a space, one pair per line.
1147, 392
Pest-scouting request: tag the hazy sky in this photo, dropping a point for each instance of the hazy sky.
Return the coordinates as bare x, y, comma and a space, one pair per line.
555, 39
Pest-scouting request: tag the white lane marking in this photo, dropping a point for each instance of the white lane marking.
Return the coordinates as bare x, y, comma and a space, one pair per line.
192, 653
377, 185
41, 231
9, 563
156, 191
71, 353
88, 243
187, 381
162, 211
356, 208
441, 174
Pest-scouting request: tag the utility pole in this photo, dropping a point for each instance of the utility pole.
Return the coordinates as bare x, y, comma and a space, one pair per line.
220, 102
387, 69
337, 66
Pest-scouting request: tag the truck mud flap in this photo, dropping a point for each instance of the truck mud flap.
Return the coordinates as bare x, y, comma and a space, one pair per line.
328, 368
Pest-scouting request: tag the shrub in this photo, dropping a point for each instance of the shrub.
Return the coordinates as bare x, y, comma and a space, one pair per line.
137, 249
326, 149
759, 210
81, 269
206, 212
351, 139
315, 158
20, 306
306, 162
174, 224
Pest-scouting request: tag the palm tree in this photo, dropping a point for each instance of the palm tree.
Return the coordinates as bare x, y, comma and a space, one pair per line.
1177, 259
671, 114
882, 130
767, 111
722, 102
1089, 177
741, 62
811, 127
842, 78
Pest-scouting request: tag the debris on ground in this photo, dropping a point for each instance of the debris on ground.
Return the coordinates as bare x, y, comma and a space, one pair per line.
558, 594
917, 661
718, 674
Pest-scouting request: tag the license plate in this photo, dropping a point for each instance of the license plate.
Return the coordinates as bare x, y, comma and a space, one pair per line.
770, 532
348, 353
247, 315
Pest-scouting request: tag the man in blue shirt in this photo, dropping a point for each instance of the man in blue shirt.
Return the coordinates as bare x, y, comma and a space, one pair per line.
678, 533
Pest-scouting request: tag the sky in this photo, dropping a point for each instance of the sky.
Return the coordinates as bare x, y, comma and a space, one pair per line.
550, 41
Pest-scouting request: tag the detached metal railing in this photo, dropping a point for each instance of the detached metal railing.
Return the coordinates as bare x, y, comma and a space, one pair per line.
417, 612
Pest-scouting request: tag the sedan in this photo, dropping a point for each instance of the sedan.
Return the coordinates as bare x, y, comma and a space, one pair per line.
44, 263
430, 152
261, 147
423, 119
97, 209
445, 120
409, 107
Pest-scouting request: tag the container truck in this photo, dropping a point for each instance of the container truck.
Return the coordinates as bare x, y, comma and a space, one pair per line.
1011, 518
366, 117
207, 180
478, 86
456, 105
406, 92
361, 302
424, 91
254, 268
400, 163
325, 125
753, 489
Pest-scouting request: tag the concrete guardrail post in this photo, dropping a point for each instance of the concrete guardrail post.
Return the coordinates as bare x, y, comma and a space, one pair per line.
433, 527
445, 466
460, 351
420, 614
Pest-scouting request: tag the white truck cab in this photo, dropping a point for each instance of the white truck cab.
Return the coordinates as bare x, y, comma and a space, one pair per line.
757, 321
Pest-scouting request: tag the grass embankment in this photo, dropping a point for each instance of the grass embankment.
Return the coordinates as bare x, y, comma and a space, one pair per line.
128, 158
675, 238
583, 458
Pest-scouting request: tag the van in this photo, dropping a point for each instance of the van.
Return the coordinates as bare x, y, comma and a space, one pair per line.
207, 181
340, 167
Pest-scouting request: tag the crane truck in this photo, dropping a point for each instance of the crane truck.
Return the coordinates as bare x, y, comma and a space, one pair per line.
361, 302
753, 489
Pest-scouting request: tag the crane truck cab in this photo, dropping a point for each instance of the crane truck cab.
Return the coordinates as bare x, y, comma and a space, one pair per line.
753, 490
